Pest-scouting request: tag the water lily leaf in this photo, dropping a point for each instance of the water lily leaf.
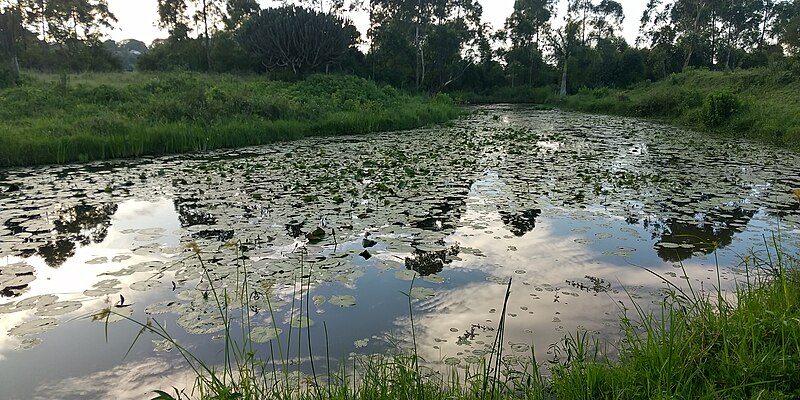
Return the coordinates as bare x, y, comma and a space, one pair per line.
33, 327
97, 261
162, 346
343, 301
58, 308
302, 322
421, 292
143, 286
405, 275
163, 307
453, 361
319, 300
120, 258
263, 334
13, 281
29, 343
36, 301
433, 278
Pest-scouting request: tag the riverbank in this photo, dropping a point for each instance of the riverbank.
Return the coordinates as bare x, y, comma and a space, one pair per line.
57, 119
701, 343
758, 104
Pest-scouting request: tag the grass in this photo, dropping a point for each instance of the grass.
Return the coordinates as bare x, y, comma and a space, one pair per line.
703, 345
766, 104
58, 119
696, 345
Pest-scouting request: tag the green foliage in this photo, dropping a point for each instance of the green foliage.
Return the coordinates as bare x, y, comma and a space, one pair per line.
765, 106
297, 39
719, 107
91, 117
8, 77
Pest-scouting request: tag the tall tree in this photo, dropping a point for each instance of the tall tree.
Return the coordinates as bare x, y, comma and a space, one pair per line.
206, 16
563, 43
526, 26
237, 11
296, 38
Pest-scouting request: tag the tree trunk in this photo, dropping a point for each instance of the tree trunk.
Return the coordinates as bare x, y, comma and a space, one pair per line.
563, 92
208, 39
690, 51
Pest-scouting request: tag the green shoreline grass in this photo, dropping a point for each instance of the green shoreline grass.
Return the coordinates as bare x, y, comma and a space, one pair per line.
696, 345
51, 119
766, 105
766, 109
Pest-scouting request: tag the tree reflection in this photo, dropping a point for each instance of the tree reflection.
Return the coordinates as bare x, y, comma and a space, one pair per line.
80, 225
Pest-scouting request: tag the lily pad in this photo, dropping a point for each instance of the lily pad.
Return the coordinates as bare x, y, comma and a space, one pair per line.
162, 346
405, 275
302, 322
58, 308
263, 334
343, 301
34, 327
421, 292
319, 300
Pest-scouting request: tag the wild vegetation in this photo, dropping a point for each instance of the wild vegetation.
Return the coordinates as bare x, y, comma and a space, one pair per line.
56, 119
759, 104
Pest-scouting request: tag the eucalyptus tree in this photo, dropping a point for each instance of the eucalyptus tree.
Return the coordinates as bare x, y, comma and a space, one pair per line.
788, 27
237, 11
444, 37
526, 26
12, 14
563, 42
179, 15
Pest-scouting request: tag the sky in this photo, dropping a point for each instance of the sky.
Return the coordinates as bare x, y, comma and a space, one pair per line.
137, 18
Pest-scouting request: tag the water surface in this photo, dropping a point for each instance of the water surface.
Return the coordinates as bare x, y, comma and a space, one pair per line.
569, 206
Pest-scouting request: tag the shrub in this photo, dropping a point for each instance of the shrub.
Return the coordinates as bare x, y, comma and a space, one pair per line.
718, 108
8, 77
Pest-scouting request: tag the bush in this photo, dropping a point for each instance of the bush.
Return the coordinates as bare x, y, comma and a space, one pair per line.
8, 77
718, 108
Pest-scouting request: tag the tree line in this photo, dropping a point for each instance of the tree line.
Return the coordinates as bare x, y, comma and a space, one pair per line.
432, 45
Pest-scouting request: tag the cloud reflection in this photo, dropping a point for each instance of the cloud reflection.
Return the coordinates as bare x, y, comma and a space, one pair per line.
133, 380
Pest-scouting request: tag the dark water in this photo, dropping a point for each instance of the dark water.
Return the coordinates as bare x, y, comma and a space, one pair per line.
569, 206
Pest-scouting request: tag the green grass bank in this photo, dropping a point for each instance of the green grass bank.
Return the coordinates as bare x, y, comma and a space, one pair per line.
759, 104
58, 119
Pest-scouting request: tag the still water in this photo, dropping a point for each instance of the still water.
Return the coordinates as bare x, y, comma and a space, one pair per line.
331, 233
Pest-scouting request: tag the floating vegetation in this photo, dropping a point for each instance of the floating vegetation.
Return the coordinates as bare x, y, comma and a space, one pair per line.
263, 334
34, 327
461, 211
58, 308
421, 293
342, 301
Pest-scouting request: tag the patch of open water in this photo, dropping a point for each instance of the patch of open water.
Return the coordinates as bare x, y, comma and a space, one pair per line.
568, 205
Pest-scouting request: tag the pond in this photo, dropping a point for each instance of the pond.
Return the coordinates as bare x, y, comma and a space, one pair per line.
330, 233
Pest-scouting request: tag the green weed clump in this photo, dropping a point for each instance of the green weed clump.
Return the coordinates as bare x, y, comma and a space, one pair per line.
58, 119
719, 108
